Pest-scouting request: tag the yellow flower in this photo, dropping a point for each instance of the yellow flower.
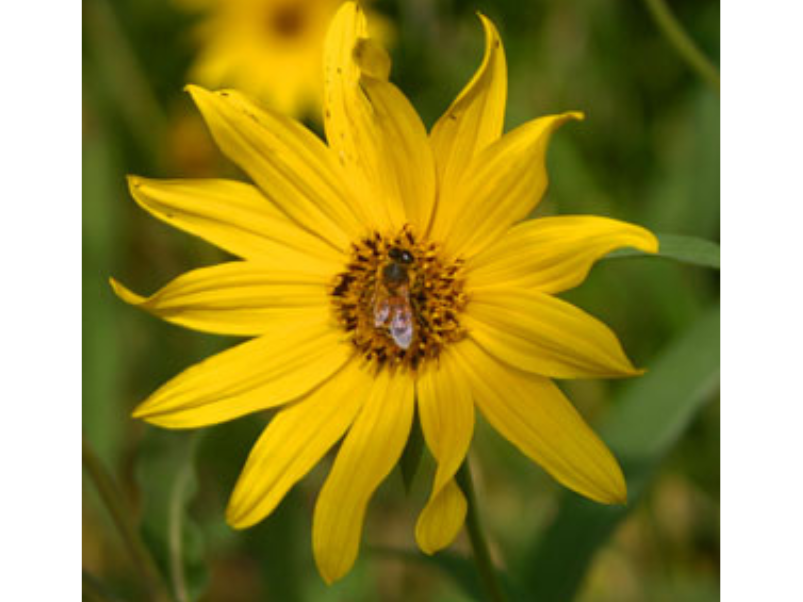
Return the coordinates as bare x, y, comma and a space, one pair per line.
386, 271
270, 49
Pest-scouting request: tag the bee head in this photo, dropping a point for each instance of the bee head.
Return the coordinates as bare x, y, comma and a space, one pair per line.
400, 255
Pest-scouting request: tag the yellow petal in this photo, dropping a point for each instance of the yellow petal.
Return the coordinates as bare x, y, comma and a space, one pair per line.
554, 254
351, 129
476, 117
240, 298
367, 455
406, 169
278, 367
291, 165
235, 216
502, 185
441, 519
294, 441
542, 334
532, 413
446, 411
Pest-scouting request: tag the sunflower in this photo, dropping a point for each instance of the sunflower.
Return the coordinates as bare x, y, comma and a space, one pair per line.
387, 274
270, 49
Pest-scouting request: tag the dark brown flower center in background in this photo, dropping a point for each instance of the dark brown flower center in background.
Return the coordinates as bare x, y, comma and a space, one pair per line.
287, 20
389, 278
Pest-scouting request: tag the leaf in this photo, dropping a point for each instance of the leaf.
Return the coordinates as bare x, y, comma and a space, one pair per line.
650, 416
166, 476
686, 249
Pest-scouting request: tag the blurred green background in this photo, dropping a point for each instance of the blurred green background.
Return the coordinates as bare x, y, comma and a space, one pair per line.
648, 153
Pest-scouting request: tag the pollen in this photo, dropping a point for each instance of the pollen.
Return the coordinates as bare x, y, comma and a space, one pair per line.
400, 299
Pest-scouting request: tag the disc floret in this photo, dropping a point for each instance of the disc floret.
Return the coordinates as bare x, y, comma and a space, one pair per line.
390, 278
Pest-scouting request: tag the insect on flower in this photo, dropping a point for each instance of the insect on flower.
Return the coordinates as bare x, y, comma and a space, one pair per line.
392, 308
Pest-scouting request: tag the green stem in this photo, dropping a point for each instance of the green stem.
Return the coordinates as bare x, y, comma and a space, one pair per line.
178, 497
120, 513
479, 545
686, 47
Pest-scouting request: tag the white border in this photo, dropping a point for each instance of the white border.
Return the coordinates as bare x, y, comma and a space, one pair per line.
762, 196
40, 47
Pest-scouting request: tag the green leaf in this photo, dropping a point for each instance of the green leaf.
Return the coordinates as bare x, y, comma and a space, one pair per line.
648, 419
166, 476
686, 249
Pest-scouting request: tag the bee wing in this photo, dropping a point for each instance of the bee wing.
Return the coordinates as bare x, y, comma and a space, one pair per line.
381, 311
401, 326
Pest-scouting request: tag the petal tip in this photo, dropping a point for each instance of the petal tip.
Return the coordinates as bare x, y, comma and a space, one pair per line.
653, 244
490, 27
125, 294
425, 547
198, 93
425, 541
141, 411
328, 571
619, 496
616, 493
236, 519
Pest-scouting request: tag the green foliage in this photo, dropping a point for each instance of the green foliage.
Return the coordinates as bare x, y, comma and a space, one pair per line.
686, 249
168, 482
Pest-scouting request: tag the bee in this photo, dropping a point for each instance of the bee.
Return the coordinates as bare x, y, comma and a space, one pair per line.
392, 308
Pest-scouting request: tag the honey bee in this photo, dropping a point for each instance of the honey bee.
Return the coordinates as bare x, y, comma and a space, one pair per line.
392, 308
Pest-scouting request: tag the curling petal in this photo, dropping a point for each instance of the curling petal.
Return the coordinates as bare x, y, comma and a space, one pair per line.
446, 411
475, 119
503, 184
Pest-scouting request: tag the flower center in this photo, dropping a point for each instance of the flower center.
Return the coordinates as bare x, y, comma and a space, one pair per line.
400, 299
286, 20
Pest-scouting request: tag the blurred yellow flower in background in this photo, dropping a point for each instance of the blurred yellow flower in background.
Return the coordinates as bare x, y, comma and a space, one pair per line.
386, 271
269, 49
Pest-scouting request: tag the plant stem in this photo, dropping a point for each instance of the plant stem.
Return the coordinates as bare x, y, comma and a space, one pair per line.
183, 482
479, 545
120, 513
686, 47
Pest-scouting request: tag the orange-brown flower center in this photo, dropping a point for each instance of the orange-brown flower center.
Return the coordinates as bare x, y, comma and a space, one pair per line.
287, 20
400, 299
